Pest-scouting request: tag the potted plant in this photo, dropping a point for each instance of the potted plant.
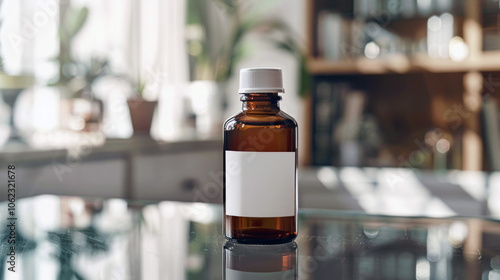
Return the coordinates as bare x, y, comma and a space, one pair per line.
214, 59
216, 43
80, 110
141, 111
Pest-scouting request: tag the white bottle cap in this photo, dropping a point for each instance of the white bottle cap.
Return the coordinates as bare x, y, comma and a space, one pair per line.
261, 80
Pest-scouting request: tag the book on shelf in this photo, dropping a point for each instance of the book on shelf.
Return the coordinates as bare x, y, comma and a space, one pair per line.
339, 38
331, 35
408, 8
338, 111
347, 131
491, 131
327, 112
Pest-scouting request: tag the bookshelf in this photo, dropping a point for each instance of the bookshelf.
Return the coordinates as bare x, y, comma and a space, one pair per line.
446, 84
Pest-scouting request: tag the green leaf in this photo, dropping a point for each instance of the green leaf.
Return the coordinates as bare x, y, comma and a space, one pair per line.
76, 21
304, 77
228, 5
284, 46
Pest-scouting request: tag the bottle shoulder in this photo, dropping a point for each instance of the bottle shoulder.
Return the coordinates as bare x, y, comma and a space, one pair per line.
288, 117
260, 119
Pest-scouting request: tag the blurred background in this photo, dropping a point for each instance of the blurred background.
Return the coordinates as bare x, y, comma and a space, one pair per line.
398, 109
127, 98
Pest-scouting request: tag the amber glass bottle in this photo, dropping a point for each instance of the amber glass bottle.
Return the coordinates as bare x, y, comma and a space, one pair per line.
260, 164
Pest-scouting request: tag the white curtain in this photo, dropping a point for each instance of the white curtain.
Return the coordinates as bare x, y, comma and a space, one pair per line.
173, 67
144, 40
28, 37
158, 52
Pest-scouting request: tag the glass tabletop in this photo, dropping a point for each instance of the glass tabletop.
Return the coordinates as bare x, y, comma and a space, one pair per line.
82, 238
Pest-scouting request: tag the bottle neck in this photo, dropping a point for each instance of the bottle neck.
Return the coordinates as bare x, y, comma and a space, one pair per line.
260, 102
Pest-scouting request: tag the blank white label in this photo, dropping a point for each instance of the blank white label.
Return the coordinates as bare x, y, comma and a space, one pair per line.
260, 184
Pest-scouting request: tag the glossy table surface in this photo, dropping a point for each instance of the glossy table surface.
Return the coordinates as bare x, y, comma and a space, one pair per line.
83, 238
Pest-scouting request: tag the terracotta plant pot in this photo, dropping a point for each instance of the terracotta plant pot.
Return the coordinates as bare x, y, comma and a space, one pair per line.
141, 114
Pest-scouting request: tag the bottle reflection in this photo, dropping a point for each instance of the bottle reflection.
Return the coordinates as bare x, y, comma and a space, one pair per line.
260, 262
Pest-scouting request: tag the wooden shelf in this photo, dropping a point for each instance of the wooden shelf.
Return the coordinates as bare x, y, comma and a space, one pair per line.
400, 64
